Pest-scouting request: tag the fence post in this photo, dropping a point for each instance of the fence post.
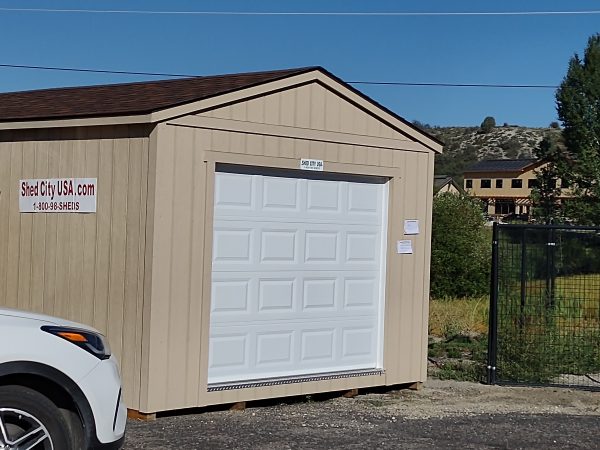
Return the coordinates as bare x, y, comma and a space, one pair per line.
493, 314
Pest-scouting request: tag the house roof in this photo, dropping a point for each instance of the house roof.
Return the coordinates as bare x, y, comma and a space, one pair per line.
127, 98
439, 181
149, 97
501, 165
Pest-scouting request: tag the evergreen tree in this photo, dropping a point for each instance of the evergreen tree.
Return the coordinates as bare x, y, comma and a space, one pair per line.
545, 196
578, 106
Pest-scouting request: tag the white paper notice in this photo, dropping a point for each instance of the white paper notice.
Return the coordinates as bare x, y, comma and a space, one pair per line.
404, 247
411, 227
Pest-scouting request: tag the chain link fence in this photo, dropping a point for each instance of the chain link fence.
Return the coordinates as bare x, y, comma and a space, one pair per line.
545, 306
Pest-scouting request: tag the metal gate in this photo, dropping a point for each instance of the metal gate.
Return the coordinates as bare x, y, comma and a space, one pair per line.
545, 306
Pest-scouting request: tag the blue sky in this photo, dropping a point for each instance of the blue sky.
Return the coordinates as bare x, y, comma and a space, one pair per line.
456, 49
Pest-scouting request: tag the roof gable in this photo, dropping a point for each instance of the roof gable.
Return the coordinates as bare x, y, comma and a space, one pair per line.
440, 181
308, 106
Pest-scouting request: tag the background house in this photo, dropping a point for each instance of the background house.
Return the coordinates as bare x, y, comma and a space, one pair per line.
444, 183
504, 185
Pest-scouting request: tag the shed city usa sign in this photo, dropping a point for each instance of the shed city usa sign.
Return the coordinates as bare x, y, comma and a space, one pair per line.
58, 195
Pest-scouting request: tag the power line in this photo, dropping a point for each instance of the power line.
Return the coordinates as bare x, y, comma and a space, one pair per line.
305, 13
479, 85
115, 72
380, 83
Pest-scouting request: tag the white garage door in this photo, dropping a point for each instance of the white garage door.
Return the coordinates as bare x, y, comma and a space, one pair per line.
297, 278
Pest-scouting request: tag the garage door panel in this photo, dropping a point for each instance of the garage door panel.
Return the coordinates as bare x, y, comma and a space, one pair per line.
278, 246
297, 277
235, 192
280, 194
361, 293
294, 246
232, 244
324, 197
230, 296
276, 295
318, 345
274, 349
358, 343
293, 296
322, 246
362, 247
365, 200
229, 351
269, 350
289, 198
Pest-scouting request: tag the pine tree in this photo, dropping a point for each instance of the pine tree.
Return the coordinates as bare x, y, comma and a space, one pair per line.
578, 106
545, 196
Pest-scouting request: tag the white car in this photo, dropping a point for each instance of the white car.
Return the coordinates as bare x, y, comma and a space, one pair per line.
60, 387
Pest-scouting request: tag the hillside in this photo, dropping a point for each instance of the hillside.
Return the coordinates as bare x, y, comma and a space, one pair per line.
465, 145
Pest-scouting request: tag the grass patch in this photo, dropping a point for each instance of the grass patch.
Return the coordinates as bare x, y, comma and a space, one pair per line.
460, 370
458, 338
459, 358
452, 317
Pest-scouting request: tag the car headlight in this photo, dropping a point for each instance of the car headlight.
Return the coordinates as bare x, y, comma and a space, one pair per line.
91, 342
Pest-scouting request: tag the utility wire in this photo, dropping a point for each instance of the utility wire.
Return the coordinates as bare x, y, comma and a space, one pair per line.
481, 85
304, 13
116, 72
380, 83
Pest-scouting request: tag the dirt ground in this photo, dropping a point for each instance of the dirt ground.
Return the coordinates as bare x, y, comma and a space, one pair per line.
444, 414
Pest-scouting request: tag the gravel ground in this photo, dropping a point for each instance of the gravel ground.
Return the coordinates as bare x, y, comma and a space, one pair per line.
444, 414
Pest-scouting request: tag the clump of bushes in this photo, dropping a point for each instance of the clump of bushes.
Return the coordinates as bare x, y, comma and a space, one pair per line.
460, 248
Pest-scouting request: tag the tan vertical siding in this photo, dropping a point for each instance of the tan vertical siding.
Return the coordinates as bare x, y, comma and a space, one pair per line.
83, 267
177, 265
308, 106
404, 319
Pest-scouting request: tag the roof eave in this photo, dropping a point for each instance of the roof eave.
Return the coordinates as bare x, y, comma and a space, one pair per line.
65, 122
304, 76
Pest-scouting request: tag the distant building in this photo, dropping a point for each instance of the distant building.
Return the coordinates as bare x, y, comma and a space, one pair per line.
504, 185
444, 183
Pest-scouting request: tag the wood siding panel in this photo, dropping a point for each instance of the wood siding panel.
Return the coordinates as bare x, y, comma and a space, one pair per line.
180, 266
177, 268
83, 267
408, 275
308, 106
302, 107
5, 215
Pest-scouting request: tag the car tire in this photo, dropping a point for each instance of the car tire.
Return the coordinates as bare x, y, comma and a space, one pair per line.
22, 410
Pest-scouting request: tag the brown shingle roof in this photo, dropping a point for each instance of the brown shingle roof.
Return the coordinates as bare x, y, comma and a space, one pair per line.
129, 98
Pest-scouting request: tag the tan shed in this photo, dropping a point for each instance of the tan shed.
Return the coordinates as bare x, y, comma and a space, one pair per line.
236, 237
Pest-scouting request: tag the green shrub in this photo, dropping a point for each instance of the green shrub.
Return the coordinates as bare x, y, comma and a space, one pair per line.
460, 248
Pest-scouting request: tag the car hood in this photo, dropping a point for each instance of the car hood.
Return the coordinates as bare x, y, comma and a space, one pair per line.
44, 318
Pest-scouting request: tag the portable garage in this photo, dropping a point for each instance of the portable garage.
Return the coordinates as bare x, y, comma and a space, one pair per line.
236, 237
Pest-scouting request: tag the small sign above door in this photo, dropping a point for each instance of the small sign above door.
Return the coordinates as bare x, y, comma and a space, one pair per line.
311, 164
